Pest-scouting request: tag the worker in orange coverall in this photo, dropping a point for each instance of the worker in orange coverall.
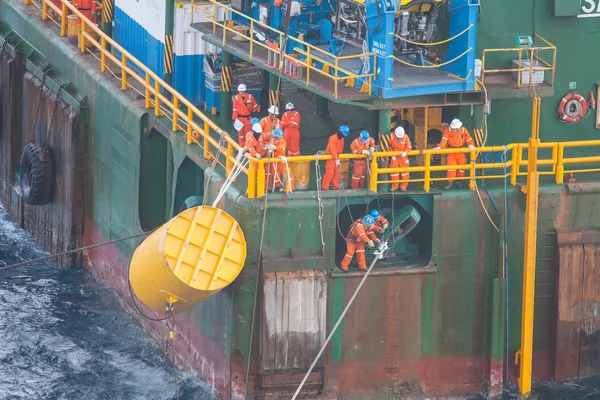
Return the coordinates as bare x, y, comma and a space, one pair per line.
335, 146
380, 223
244, 105
271, 122
359, 235
279, 173
456, 137
87, 8
290, 123
399, 141
364, 144
256, 139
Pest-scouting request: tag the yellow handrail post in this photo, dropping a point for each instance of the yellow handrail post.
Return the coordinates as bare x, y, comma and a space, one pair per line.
260, 180
156, 99
251, 191
190, 119
175, 127
335, 89
228, 156
215, 18
531, 60
374, 173
102, 53
473, 170
531, 214
147, 102
251, 37
81, 37
560, 166
520, 68
483, 67
308, 66
427, 182
207, 155
123, 72
63, 19
44, 10
554, 158
514, 170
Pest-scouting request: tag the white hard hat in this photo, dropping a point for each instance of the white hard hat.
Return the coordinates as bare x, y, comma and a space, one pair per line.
399, 132
289, 106
455, 124
242, 87
257, 128
273, 110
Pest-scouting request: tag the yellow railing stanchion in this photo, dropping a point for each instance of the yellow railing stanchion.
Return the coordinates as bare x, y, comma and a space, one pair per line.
81, 37
514, 169
224, 33
520, 66
123, 71
560, 166
175, 127
554, 158
228, 156
63, 19
147, 91
251, 37
427, 183
374, 174
102, 54
44, 10
260, 180
251, 191
207, 155
190, 119
473, 170
156, 99
336, 79
309, 65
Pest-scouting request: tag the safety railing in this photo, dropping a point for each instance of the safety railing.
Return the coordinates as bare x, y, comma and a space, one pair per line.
158, 95
532, 56
305, 55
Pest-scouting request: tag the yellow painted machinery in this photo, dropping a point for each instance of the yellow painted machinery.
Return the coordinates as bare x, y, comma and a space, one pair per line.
188, 259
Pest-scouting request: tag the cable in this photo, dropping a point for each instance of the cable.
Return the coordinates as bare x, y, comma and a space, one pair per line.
77, 250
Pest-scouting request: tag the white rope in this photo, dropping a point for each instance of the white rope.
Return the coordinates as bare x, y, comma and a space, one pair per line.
335, 326
233, 174
289, 181
321, 211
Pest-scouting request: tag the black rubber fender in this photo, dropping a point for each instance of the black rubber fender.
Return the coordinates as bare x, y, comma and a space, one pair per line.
37, 174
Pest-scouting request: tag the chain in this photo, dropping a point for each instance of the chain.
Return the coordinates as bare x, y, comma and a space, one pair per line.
60, 88
37, 111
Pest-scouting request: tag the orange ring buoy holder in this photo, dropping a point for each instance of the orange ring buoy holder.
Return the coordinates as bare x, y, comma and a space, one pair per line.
572, 108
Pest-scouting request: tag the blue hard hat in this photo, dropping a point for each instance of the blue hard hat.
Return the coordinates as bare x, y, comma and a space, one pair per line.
374, 213
254, 121
368, 220
345, 130
364, 136
277, 133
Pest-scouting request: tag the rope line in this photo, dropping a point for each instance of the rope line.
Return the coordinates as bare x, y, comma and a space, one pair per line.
435, 43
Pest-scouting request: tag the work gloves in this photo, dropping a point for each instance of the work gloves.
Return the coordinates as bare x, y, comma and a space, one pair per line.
471, 148
270, 147
338, 163
437, 148
403, 154
258, 156
371, 244
365, 152
393, 158
377, 242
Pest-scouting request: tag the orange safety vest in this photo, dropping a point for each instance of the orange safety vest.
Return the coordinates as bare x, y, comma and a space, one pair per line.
335, 146
243, 107
357, 146
400, 144
456, 139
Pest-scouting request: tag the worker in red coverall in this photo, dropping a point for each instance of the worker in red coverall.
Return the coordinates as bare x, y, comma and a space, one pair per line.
380, 224
87, 8
279, 173
399, 141
364, 144
358, 236
244, 105
271, 122
335, 146
290, 123
455, 137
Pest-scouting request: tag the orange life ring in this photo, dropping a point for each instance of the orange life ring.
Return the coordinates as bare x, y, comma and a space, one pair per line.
572, 108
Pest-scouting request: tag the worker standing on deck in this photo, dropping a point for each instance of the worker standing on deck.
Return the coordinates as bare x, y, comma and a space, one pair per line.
456, 136
271, 122
399, 141
256, 140
279, 173
380, 223
335, 146
358, 236
290, 123
244, 105
364, 144
87, 8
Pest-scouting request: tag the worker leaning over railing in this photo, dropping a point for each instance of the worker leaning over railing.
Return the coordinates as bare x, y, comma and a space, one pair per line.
455, 137
364, 144
335, 146
399, 141
279, 175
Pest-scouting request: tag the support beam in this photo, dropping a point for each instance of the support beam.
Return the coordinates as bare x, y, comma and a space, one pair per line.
169, 21
385, 120
525, 354
108, 15
274, 97
322, 106
226, 78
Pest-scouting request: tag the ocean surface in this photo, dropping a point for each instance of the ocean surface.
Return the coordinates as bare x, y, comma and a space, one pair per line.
63, 336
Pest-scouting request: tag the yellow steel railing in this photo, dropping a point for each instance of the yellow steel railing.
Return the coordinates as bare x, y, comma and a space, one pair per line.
184, 115
316, 59
532, 54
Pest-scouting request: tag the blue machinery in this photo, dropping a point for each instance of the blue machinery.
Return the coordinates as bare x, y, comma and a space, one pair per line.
399, 32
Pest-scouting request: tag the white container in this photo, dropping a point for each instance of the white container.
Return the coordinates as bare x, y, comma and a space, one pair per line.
538, 76
477, 68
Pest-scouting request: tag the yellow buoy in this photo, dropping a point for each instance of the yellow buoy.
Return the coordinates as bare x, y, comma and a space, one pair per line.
188, 259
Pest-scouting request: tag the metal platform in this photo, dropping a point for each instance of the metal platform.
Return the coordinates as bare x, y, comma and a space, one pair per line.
503, 86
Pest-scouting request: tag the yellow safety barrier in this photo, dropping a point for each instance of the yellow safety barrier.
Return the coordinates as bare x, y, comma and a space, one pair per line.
329, 64
184, 114
532, 55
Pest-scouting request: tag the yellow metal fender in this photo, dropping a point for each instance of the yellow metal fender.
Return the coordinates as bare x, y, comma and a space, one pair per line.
188, 259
